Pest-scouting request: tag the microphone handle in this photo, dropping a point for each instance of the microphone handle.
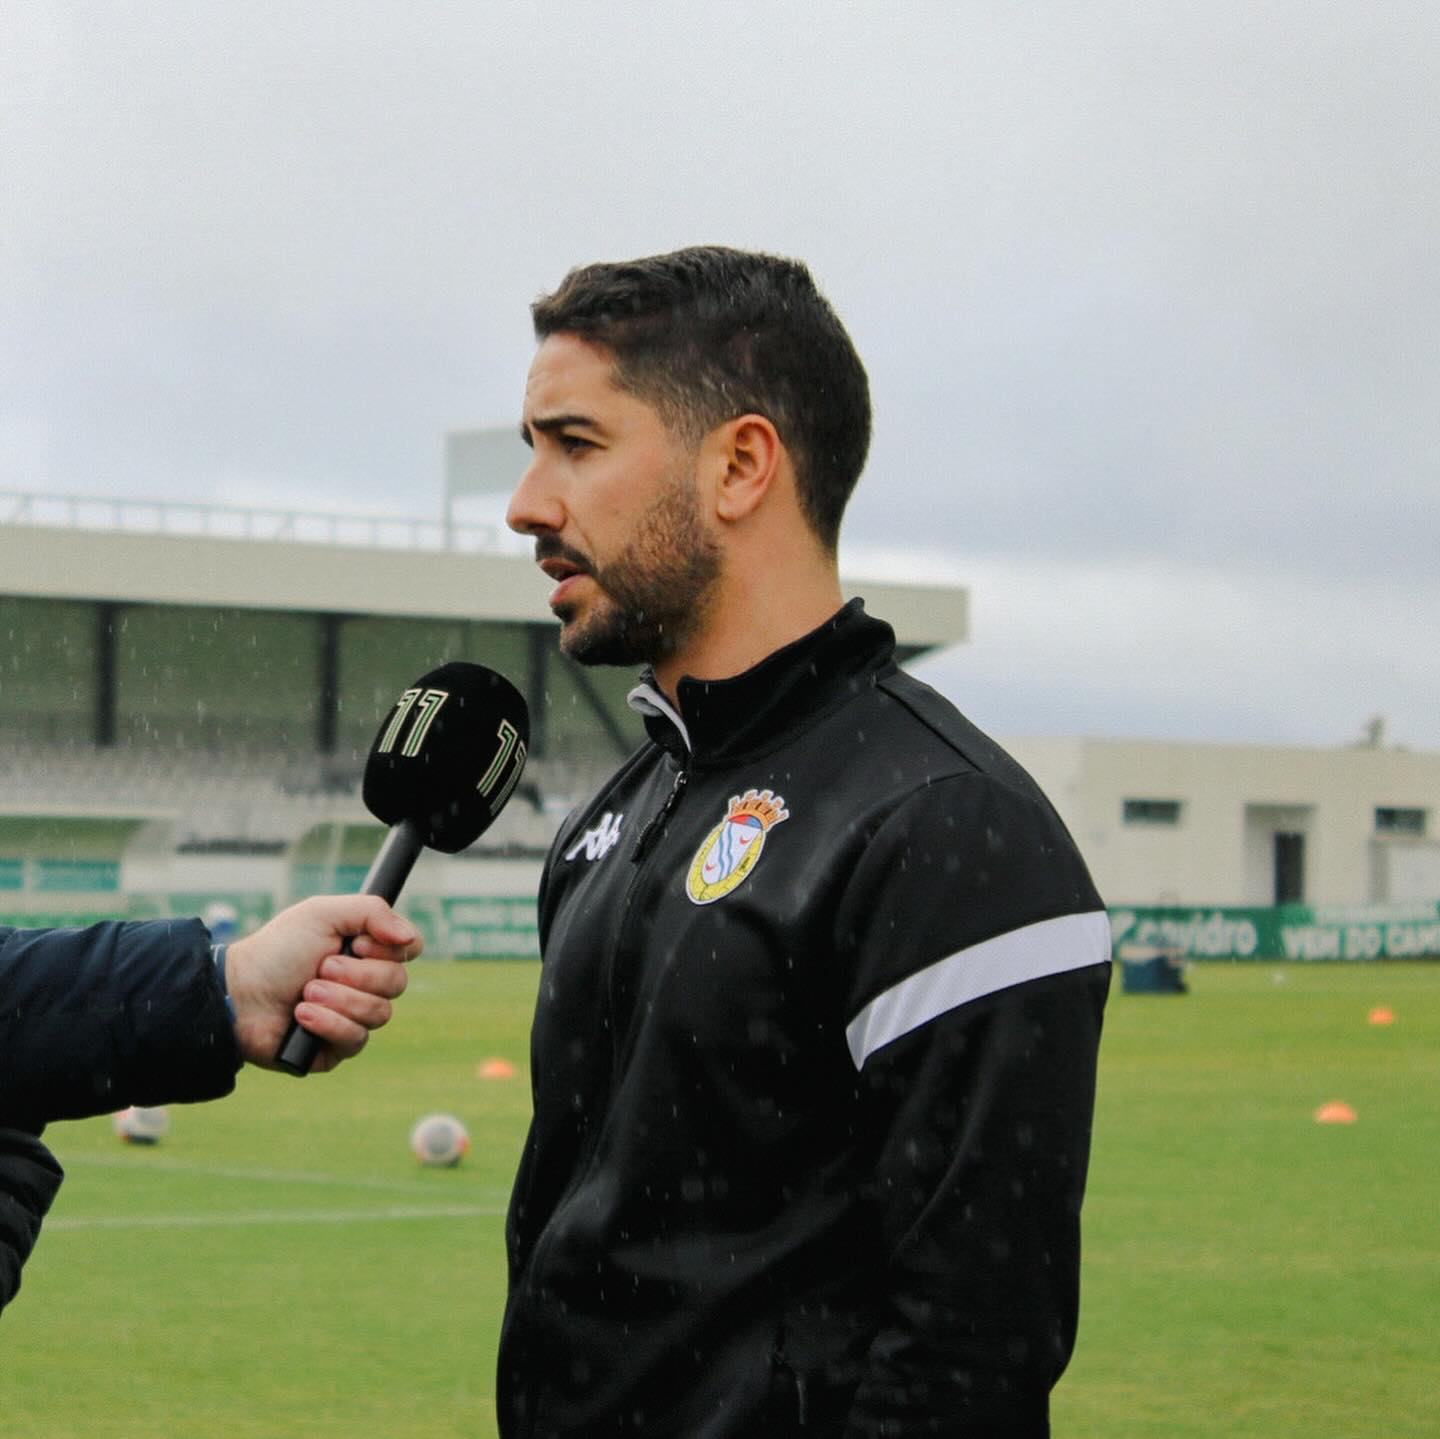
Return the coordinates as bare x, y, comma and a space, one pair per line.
386, 878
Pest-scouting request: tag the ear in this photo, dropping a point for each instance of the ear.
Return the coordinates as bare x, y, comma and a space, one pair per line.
750, 459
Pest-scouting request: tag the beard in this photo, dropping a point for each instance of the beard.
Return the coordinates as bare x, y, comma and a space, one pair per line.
655, 593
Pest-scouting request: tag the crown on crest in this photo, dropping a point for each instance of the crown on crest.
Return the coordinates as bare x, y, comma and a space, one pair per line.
764, 804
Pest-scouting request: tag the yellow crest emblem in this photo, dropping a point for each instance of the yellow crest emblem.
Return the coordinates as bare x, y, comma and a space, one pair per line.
731, 850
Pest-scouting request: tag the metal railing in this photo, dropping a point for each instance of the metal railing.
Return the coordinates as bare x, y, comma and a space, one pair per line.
186, 517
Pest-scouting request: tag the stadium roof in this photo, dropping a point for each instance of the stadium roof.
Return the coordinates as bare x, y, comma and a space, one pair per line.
336, 564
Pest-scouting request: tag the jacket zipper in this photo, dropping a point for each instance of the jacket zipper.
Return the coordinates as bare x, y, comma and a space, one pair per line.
637, 856
797, 1383
677, 789
647, 835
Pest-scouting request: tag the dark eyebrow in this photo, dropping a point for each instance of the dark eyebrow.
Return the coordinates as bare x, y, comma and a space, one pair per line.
552, 424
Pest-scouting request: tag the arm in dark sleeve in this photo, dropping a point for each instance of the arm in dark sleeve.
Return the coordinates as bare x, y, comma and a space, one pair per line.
29, 1177
981, 952
93, 1020
983, 1124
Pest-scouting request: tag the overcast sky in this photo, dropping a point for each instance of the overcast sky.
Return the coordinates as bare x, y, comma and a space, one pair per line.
1149, 294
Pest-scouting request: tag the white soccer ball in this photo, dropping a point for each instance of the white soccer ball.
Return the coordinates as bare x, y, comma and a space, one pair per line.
439, 1139
142, 1126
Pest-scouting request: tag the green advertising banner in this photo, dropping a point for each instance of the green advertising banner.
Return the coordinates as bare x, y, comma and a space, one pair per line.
477, 927
1290, 932
485, 927
472, 927
309, 879
78, 875
248, 909
251, 910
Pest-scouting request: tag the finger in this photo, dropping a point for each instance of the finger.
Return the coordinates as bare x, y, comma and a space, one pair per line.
356, 914
370, 948
391, 928
344, 1038
370, 1010
374, 976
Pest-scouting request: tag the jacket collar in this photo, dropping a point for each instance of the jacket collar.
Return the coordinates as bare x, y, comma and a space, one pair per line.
723, 720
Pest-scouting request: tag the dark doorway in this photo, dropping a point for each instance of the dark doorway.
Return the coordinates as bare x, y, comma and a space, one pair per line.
1289, 868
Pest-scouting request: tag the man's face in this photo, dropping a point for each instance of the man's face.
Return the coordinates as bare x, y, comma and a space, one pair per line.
612, 502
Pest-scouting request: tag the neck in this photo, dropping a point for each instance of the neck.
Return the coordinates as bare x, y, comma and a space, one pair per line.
745, 621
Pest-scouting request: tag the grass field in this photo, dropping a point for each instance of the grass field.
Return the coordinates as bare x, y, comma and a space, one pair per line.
280, 1266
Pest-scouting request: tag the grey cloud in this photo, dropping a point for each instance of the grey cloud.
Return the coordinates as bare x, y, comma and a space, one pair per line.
1131, 281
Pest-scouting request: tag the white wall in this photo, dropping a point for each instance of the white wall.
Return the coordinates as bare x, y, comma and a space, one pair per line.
1233, 798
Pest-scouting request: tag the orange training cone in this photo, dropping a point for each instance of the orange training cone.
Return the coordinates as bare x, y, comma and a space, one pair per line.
1382, 1014
1336, 1112
495, 1069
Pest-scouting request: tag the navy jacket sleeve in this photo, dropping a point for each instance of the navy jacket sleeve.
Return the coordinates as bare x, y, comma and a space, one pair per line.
93, 1020
29, 1177
979, 955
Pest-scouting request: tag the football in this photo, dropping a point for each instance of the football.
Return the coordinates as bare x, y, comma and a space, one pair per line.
439, 1139
142, 1126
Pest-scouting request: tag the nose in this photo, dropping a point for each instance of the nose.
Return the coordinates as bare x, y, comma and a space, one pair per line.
534, 506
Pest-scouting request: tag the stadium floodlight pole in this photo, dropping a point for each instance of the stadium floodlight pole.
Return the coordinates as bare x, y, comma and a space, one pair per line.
447, 757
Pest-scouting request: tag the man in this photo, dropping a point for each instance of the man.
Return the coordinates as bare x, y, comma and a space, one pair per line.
823, 973
94, 1020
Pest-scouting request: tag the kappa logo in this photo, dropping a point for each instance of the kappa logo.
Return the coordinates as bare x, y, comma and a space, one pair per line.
599, 841
732, 849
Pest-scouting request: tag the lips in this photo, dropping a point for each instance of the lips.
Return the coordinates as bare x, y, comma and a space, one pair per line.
562, 592
560, 570
566, 570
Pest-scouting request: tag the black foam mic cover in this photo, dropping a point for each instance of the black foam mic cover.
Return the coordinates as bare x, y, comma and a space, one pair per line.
445, 759
449, 754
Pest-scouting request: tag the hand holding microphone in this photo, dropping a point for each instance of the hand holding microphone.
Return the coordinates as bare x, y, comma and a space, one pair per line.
446, 759
344, 954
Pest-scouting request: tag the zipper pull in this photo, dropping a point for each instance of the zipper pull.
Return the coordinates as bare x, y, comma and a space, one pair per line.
797, 1381
665, 811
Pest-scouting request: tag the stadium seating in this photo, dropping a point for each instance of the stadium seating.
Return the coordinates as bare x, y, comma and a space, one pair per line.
246, 801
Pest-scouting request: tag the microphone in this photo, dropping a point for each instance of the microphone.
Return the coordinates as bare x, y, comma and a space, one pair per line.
445, 760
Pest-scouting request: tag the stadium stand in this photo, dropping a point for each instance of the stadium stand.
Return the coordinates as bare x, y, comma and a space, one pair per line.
188, 694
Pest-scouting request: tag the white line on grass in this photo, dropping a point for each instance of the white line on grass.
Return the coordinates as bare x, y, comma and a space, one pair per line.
62, 1223
138, 1162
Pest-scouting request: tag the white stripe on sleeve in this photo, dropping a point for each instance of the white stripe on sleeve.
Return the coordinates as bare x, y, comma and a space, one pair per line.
1052, 946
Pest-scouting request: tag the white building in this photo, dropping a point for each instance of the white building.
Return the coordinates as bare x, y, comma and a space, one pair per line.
1166, 824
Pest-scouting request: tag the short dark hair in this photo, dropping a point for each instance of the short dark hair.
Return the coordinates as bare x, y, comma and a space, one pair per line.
709, 333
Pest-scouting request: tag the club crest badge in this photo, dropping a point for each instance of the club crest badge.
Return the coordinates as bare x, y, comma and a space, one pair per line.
732, 849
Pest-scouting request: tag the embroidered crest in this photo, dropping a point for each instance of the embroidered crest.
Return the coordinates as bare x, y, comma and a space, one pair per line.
731, 850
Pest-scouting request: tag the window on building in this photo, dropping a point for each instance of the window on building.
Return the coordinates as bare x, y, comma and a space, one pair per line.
1152, 811
1399, 821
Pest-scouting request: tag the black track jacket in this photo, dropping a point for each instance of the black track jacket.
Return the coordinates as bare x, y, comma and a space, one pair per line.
813, 1066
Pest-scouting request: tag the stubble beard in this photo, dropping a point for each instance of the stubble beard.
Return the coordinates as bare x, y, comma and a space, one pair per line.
655, 593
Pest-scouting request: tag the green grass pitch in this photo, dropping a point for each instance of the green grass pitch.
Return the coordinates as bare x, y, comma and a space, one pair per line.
279, 1265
